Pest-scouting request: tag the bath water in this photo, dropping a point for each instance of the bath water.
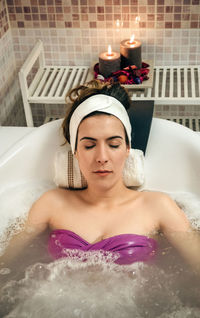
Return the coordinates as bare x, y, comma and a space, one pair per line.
35, 286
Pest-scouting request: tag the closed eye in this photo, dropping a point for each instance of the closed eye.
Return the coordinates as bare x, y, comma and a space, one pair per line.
89, 147
114, 146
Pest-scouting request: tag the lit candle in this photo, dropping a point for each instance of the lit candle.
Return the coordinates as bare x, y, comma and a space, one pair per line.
109, 62
131, 52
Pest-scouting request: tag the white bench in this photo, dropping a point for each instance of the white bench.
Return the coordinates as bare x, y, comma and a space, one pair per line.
50, 83
176, 85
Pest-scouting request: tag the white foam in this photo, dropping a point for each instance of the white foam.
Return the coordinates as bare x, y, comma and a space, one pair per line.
67, 288
190, 204
15, 202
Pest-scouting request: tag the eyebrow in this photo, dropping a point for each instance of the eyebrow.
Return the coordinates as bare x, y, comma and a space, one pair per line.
94, 139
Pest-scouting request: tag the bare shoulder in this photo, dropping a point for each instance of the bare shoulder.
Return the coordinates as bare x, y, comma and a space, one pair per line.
170, 216
157, 199
53, 195
41, 210
149, 195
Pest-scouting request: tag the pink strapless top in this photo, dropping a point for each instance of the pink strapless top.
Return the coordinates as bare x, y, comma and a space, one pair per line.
130, 247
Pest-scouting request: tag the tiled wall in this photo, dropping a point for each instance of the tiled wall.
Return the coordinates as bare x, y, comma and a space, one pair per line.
4, 24
75, 32
82, 46
9, 87
5, 47
103, 13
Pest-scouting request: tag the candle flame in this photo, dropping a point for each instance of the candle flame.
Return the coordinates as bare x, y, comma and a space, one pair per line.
118, 23
132, 38
137, 19
109, 50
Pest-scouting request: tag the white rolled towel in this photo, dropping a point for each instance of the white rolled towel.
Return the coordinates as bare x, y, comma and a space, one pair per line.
68, 174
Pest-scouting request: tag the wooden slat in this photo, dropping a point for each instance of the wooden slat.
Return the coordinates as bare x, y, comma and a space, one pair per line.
185, 83
142, 94
84, 76
149, 90
41, 84
77, 79
46, 100
36, 80
178, 82
69, 82
156, 92
199, 78
55, 84
164, 82
57, 93
49, 82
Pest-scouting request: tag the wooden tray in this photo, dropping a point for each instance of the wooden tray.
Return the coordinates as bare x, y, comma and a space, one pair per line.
145, 84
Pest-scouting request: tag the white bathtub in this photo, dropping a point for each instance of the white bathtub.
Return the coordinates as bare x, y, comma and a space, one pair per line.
171, 165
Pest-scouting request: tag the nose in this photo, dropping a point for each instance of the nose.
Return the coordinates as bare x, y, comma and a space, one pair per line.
102, 155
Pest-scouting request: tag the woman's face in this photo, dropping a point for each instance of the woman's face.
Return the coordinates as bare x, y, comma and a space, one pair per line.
102, 150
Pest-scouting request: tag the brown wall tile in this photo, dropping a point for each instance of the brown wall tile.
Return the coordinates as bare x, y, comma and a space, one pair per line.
174, 14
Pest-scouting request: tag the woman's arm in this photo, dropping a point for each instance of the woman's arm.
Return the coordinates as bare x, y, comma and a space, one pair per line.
36, 223
179, 232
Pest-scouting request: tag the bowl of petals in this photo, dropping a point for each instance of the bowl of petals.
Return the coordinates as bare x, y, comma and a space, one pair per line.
130, 76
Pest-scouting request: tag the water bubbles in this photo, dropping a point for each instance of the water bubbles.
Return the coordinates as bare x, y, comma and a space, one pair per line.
13, 213
190, 204
77, 312
57, 243
71, 288
5, 271
30, 229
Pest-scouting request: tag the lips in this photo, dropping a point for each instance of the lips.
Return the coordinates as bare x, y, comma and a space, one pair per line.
102, 172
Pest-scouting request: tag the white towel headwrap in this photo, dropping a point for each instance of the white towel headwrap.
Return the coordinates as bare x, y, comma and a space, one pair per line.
102, 103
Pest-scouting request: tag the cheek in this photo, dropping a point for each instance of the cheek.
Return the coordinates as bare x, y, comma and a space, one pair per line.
84, 159
121, 159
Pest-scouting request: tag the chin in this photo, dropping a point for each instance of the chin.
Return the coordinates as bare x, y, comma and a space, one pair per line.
103, 184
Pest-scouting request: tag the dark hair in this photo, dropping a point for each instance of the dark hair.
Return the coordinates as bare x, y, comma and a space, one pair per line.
94, 87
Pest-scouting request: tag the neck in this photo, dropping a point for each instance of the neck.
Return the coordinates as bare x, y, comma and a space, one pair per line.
105, 197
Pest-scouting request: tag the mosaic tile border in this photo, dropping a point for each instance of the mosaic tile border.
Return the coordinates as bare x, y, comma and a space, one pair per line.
159, 14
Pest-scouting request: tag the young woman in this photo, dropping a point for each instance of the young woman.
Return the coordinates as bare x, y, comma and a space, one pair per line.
107, 215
